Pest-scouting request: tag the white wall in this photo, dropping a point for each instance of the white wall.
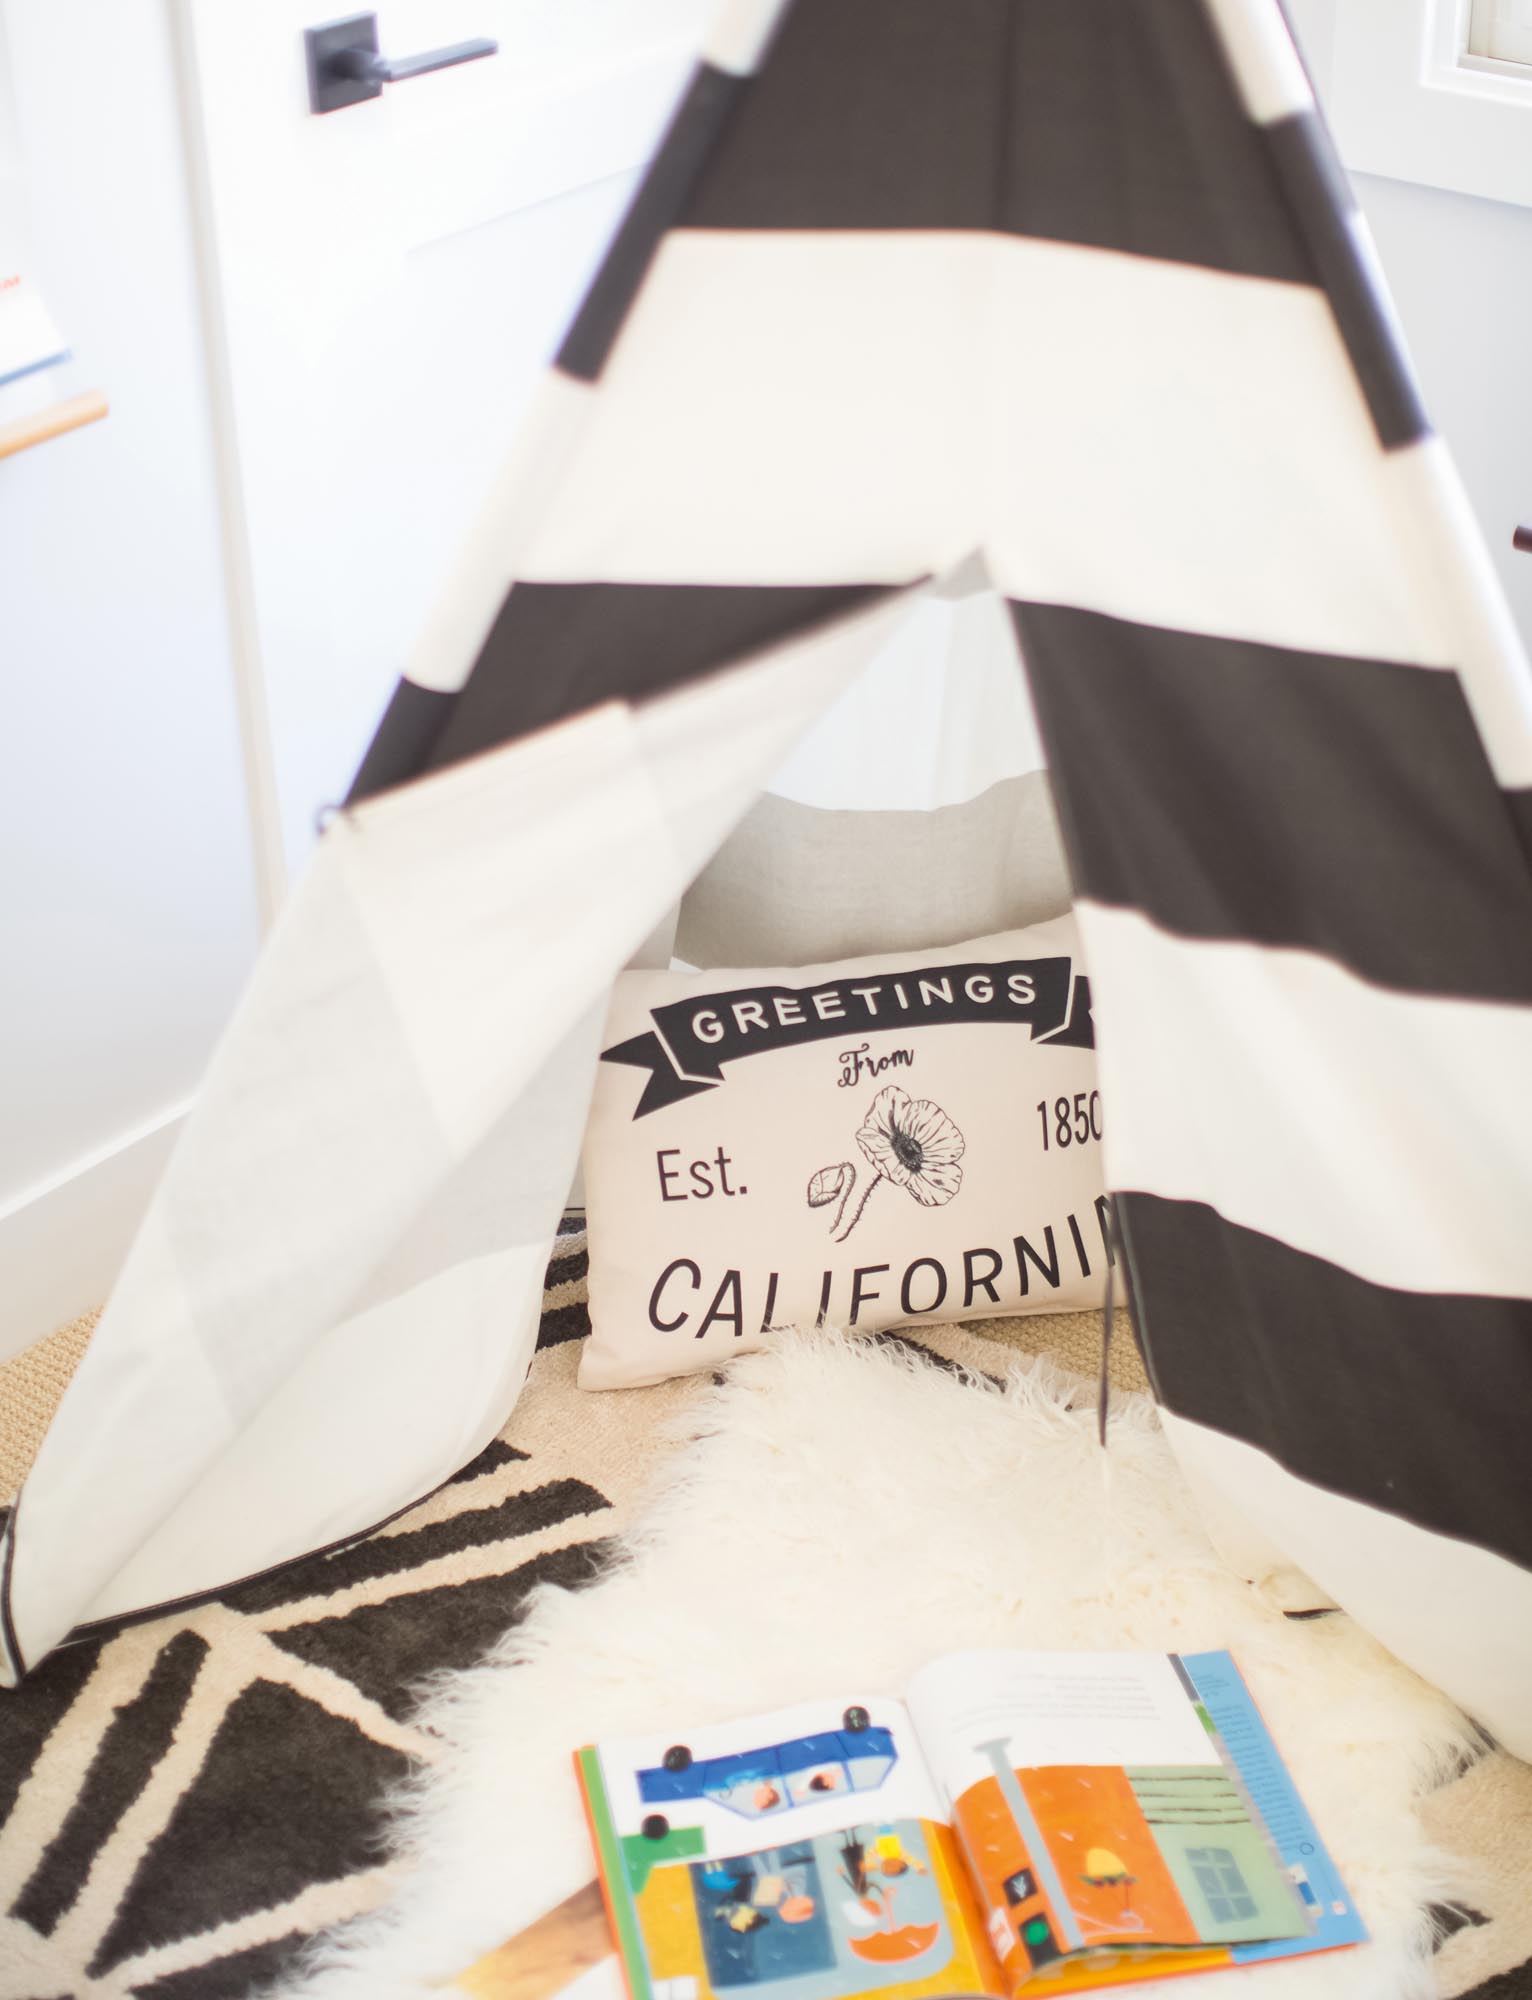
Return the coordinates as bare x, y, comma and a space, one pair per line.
138, 789
1460, 270
129, 920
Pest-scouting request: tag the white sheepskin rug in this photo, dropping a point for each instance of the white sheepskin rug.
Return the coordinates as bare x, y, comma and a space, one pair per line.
845, 1513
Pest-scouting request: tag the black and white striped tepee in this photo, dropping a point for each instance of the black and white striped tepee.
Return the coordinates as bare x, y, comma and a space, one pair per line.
939, 331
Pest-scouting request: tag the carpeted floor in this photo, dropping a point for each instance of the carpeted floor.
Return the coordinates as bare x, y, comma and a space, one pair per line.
181, 1806
30, 1387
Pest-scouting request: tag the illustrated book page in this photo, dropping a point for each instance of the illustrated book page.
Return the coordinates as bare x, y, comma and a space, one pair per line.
1123, 1816
803, 1853
1024, 1823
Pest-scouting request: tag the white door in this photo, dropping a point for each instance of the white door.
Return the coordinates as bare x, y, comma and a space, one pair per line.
384, 284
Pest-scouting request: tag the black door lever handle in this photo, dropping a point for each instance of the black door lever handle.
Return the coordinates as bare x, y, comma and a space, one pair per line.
345, 66
367, 66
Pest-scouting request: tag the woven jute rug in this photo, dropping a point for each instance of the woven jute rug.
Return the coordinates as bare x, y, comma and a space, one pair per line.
183, 1806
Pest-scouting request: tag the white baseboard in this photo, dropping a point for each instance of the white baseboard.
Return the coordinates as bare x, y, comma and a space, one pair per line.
62, 1243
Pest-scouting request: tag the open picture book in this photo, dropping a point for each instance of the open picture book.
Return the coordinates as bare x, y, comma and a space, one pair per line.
1038, 1822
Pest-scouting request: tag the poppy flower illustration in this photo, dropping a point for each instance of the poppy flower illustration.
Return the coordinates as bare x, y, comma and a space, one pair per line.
909, 1142
913, 1143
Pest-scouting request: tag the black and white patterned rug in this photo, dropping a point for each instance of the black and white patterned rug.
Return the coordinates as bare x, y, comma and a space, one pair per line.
184, 1804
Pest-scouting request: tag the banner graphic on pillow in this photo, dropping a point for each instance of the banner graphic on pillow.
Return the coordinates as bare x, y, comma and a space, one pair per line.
692, 1039
874, 1142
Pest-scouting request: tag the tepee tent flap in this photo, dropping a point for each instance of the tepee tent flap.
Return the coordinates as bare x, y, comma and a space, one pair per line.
1075, 284
333, 1301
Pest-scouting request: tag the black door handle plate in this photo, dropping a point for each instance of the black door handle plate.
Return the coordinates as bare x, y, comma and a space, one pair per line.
346, 67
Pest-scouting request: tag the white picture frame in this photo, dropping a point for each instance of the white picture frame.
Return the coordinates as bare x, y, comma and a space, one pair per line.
1404, 101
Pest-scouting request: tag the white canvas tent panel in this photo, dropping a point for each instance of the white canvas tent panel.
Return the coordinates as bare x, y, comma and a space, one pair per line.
399, 1107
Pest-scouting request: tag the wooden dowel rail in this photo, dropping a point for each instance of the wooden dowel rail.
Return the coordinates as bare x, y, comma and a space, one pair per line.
549, 1955
20, 435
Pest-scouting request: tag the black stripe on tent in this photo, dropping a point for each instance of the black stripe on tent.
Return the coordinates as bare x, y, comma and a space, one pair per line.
558, 648
1519, 804
1081, 121
1326, 214
15, 1658
1236, 790
402, 746
1415, 1403
701, 116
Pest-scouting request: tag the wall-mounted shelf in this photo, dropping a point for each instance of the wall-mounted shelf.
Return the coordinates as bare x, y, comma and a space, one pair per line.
21, 434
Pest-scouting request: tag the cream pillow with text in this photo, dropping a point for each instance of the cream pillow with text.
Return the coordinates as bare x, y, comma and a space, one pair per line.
892, 1139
